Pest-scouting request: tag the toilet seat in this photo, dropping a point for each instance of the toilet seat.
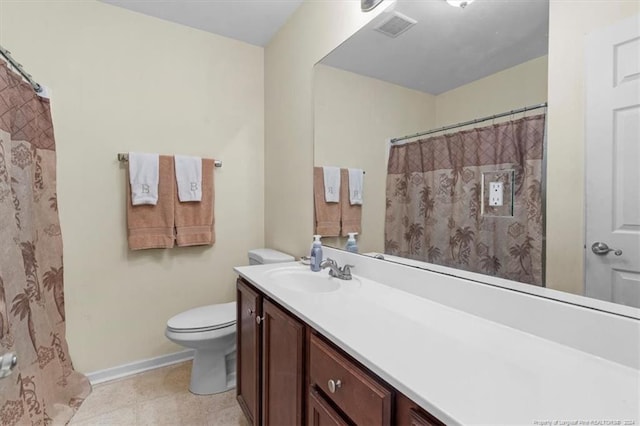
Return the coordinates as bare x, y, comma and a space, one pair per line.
204, 318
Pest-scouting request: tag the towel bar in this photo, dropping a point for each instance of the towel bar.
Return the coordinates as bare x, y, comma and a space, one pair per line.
125, 157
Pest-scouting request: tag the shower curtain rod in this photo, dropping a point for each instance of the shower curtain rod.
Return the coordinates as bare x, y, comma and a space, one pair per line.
122, 157
466, 123
18, 67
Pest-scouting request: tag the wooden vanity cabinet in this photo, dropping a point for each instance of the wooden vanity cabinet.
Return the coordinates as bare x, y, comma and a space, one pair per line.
408, 413
283, 361
248, 350
288, 374
320, 413
270, 361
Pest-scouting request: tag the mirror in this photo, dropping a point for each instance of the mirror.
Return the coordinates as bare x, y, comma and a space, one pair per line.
421, 66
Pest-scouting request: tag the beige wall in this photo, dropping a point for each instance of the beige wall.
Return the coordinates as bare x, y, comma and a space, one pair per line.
569, 23
122, 81
515, 87
355, 116
314, 30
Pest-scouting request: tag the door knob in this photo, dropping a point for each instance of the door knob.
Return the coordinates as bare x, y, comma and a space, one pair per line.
602, 249
8, 362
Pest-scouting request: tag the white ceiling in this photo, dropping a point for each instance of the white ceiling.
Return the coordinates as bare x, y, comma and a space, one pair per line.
448, 47
252, 21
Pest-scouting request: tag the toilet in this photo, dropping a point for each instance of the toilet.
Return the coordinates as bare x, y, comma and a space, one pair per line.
211, 331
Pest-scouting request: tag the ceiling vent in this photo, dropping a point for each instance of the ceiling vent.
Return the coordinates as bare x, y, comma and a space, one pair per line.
395, 25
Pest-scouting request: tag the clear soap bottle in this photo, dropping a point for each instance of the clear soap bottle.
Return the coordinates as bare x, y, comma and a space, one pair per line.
316, 253
352, 245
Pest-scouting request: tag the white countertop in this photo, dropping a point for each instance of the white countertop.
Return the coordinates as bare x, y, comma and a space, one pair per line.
459, 367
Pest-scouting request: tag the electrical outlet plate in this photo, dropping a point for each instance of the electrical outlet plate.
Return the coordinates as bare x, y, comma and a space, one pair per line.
497, 193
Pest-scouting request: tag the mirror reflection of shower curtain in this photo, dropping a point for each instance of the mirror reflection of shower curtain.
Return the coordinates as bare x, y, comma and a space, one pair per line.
438, 212
44, 387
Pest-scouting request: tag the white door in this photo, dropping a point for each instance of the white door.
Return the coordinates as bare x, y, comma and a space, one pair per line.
613, 163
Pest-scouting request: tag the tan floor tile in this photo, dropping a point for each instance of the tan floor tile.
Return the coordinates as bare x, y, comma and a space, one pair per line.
183, 409
230, 416
125, 416
107, 397
158, 397
162, 382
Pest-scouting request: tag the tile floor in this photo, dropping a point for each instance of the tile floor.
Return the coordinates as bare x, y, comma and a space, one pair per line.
157, 397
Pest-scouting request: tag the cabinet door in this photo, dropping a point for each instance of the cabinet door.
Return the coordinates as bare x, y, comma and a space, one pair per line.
321, 413
421, 419
408, 413
249, 304
283, 380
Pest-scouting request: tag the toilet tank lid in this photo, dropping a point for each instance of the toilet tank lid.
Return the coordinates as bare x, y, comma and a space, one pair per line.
266, 255
204, 317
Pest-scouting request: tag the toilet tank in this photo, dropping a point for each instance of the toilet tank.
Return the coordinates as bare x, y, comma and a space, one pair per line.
263, 256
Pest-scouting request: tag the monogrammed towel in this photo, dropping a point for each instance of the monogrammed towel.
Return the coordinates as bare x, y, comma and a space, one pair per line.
143, 177
151, 226
327, 215
194, 221
351, 214
188, 178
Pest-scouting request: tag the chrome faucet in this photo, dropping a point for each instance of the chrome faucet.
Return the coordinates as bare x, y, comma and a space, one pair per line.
342, 273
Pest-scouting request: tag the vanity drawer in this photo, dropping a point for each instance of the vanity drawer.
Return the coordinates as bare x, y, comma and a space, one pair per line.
360, 397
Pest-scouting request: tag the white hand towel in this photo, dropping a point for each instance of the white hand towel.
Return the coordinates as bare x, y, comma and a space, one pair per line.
143, 177
356, 183
189, 178
331, 184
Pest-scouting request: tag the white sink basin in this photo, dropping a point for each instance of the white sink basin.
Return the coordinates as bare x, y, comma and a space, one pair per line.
303, 280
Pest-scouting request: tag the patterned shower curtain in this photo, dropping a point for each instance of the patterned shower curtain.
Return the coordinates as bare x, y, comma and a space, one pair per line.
44, 386
437, 211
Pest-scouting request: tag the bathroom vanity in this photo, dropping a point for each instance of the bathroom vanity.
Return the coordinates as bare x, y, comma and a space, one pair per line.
313, 349
290, 374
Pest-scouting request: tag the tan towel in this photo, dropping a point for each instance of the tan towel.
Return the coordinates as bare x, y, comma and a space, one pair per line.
327, 215
194, 221
351, 214
151, 226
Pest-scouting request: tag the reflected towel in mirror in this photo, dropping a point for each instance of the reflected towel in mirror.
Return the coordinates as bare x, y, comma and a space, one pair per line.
331, 177
351, 214
356, 184
326, 215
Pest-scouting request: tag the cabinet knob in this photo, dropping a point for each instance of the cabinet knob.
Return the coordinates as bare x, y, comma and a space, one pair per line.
250, 312
259, 319
333, 385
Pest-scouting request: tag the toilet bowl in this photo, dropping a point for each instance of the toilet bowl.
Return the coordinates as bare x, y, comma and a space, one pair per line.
211, 331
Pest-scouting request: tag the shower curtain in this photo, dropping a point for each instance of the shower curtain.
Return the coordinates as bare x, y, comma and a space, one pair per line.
437, 211
44, 386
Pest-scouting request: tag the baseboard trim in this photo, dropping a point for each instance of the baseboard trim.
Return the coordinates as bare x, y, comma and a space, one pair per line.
136, 367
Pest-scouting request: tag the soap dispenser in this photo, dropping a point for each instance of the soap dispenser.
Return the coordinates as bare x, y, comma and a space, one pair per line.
352, 245
316, 253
